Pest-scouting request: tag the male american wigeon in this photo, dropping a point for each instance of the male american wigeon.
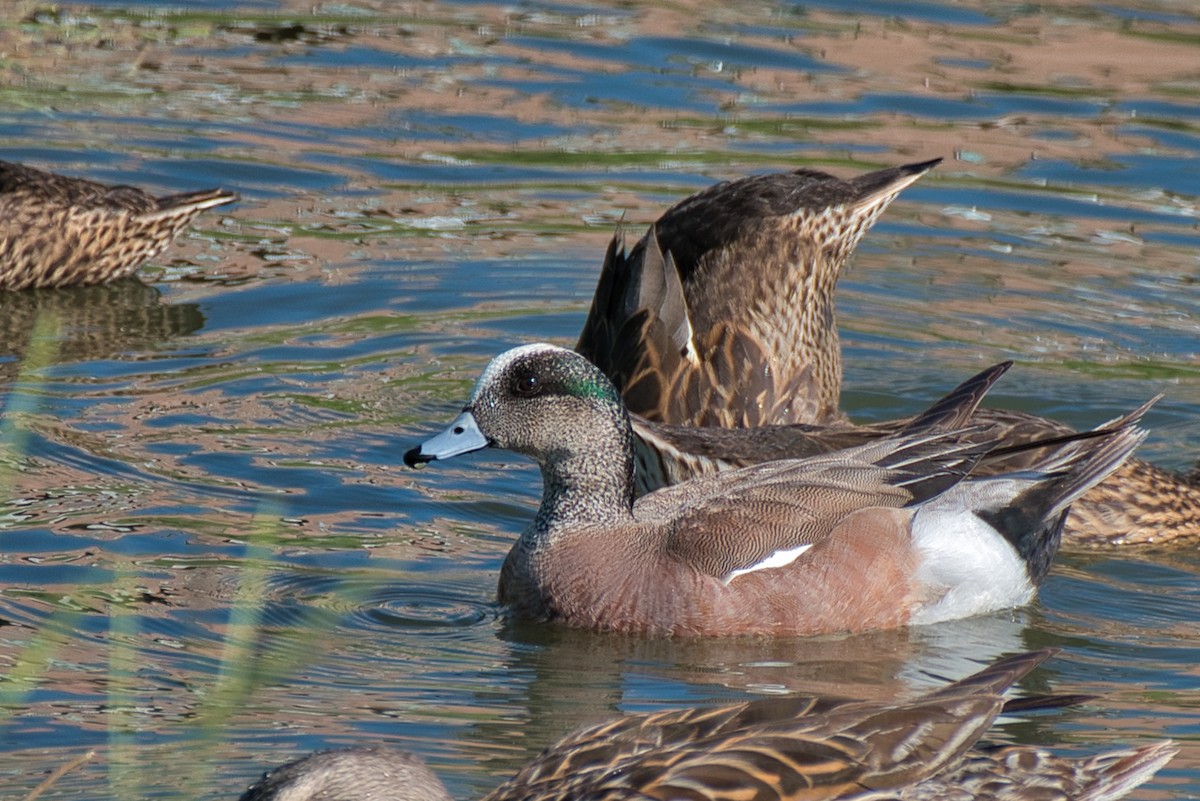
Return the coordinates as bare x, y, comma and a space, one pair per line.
777, 749
723, 315
880, 536
57, 231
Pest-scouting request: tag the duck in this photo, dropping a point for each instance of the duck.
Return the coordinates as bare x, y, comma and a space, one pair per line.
880, 536
771, 749
722, 316
58, 231
723, 313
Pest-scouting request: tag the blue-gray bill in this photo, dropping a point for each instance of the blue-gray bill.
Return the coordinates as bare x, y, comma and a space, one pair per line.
462, 436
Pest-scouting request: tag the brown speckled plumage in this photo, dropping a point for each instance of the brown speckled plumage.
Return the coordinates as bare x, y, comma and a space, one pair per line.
798, 748
880, 536
722, 314
57, 231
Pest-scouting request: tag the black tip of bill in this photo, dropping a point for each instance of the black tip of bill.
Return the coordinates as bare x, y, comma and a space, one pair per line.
415, 459
463, 436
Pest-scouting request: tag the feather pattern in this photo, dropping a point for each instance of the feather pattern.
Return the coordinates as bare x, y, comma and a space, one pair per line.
690, 336
799, 748
57, 231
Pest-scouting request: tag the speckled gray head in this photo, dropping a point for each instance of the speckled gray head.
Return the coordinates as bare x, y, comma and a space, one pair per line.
363, 774
533, 399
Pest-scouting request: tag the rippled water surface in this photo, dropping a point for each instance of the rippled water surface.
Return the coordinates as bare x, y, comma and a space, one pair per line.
212, 557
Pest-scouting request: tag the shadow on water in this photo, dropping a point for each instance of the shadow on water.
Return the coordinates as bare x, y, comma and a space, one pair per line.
90, 323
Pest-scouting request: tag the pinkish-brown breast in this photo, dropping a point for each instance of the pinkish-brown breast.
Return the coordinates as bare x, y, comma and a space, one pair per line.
860, 578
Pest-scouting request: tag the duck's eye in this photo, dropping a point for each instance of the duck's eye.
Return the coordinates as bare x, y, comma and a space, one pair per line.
527, 385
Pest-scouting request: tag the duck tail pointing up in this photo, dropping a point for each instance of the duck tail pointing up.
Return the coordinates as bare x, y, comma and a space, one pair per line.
889, 182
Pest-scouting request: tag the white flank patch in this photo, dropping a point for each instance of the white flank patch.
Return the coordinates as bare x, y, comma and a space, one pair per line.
966, 565
777, 559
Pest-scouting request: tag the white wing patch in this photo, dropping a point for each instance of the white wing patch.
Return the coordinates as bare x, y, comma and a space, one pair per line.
778, 559
690, 351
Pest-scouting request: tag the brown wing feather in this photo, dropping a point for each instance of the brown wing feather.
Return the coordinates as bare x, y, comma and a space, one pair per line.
637, 331
773, 749
733, 520
671, 454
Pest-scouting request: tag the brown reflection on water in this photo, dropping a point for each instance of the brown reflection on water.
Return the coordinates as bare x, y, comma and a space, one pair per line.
1065, 53
87, 323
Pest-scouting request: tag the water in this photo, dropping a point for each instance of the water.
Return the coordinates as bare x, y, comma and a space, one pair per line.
213, 558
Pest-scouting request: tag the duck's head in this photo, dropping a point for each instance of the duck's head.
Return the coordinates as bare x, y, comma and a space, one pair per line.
362, 773
540, 400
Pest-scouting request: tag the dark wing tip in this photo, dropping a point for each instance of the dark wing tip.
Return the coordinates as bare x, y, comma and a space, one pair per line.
921, 166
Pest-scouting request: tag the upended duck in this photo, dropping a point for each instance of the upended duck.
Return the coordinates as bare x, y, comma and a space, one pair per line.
880, 536
723, 315
57, 231
772, 750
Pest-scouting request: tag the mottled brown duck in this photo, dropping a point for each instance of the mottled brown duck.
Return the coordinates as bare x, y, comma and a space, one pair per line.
799, 748
889, 534
57, 231
722, 315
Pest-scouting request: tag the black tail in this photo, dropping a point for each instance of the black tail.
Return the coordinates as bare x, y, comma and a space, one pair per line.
1032, 517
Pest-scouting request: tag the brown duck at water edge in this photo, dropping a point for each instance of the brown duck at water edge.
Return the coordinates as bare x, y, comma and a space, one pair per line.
777, 749
57, 231
712, 319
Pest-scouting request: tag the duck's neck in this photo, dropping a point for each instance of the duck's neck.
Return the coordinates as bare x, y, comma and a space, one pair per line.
587, 485
797, 323
821, 340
